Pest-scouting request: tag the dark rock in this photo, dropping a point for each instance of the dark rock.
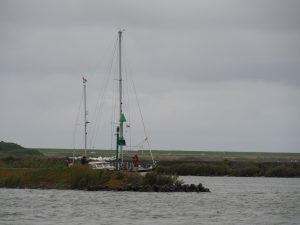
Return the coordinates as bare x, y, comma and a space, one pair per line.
155, 188
185, 187
172, 188
140, 188
151, 188
193, 187
206, 190
135, 188
164, 188
128, 187
95, 188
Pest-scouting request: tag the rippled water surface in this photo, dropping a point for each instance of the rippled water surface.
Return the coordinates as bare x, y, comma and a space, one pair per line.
232, 201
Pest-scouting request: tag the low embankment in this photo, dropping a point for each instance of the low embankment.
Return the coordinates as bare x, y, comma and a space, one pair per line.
198, 163
8, 149
53, 174
231, 168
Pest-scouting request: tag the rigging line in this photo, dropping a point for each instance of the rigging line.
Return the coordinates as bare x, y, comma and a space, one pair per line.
138, 103
93, 125
128, 100
76, 121
113, 115
100, 101
114, 105
140, 144
99, 117
140, 111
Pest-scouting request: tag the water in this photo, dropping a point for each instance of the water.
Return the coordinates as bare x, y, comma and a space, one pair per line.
232, 200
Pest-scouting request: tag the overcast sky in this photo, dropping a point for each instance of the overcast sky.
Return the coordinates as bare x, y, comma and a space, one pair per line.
210, 75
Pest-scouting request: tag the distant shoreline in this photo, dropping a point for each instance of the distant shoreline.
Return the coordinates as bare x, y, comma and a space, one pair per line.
197, 163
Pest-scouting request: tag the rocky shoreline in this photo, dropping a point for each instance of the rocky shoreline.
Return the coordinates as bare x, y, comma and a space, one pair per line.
152, 188
84, 178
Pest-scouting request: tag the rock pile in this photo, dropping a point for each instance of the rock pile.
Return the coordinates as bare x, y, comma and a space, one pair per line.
153, 188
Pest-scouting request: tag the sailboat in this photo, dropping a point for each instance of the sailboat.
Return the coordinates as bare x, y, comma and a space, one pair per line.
135, 164
118, 161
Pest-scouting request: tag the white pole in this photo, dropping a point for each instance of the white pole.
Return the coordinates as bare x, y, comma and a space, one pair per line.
85, 115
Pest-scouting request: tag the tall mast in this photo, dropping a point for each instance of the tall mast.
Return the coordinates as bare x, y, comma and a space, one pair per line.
122, 119
85, 115
120, 91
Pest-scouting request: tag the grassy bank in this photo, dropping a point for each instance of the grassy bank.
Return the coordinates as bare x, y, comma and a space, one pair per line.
177, 155
8, 149
217, 168
78, 177
54, 173
14, 150
231, 168
199, 163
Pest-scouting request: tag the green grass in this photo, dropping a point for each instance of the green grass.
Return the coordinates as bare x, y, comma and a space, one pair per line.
14, 150
78, 177
177, 155
231, 168
17, 151
58, 153
221, 154
185, 164
5, 146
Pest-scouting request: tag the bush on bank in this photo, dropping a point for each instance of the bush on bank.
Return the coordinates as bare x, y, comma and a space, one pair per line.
42, 162
227, 168
78, 177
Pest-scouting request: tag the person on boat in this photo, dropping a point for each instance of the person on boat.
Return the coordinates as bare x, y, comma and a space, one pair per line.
83, 160
135, 161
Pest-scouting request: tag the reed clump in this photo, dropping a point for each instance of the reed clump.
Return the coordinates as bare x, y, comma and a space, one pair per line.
78, 177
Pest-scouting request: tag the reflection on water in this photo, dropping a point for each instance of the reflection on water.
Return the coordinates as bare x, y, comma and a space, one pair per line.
232, 201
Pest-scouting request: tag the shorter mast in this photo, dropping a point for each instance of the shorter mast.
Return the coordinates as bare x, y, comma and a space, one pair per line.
84, 81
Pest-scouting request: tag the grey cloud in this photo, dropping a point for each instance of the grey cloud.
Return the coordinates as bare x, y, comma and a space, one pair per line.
193, 14
224, 72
